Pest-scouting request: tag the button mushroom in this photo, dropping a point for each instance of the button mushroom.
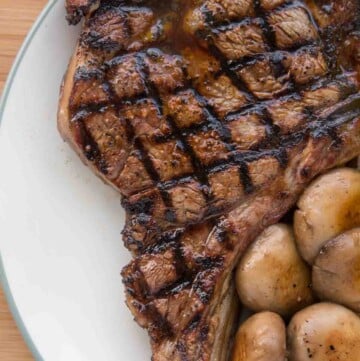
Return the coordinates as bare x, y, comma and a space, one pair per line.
324, 332
271, 276
336, 271
262, 337
330, 206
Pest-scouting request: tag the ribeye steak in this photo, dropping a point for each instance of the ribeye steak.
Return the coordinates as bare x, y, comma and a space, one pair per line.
210, 117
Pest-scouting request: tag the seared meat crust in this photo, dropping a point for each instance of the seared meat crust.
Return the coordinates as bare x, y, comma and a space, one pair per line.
181, 310
170, 131
210, 124
76, 9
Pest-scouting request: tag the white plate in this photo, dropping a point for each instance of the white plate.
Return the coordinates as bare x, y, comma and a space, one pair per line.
60, 226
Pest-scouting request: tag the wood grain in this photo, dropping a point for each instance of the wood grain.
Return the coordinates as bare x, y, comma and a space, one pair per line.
16, 18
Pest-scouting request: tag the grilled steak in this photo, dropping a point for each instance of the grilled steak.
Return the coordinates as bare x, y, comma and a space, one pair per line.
179, 289
210, 117
183, 136
76, 9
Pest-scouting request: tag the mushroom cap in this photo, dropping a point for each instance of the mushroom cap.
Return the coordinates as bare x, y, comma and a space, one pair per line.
262, 337
324, 332
328, 207
271, 276
336, 271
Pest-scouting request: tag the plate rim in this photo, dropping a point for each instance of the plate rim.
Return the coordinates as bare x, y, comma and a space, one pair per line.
3, 101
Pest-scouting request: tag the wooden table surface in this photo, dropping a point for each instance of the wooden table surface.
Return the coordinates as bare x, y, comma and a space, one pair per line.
16, 18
